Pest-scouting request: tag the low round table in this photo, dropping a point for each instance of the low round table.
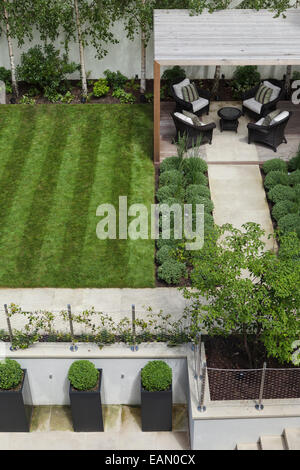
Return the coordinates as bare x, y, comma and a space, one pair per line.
229, 118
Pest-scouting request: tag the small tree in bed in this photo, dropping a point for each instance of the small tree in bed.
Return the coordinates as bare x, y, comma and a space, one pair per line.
243, 289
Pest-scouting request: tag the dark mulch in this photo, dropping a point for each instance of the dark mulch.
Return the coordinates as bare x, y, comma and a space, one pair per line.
230, 377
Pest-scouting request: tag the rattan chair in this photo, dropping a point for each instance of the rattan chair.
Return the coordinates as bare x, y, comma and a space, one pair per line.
195, 135
272, 135
265, 108
181, 105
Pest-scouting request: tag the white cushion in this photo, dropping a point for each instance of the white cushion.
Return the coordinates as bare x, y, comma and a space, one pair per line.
178, 87
199, 104
252, 104
280, 117
184, 118
275, 90
260, 122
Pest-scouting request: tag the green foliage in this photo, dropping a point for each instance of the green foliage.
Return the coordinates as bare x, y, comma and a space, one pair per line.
163, 254
275, 177
174, 75
275, 164
156, 376
195, 178
194, 190
83, 375
290, 223
27, 100
11, 374
207, 203
161, 242
115, 80
101, 88
171, 177
294, 163
123, 96
170, 163
283, 208
281, 193
171, 191
244, 78
260, 306
5, 76
294, 178
45, 68
67, 97
172, 271
194, 164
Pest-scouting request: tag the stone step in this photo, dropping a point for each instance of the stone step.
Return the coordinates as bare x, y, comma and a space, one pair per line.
272, 443
292, 438
250, 446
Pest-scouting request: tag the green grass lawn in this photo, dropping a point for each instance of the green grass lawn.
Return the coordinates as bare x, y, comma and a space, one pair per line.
57, 164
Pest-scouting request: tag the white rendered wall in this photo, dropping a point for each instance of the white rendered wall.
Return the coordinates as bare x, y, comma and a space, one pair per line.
125, 57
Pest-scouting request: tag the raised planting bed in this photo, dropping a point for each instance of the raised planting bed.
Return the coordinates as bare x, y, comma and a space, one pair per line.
85, 397
156, 397
181, 181
15, 398
282, 185
231, 378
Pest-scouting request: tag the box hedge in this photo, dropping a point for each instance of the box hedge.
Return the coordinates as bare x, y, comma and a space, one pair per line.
11, 374
83, 375
156, 376
274, 165
290, 223
294, 178
281, 193
275, 177
171, 271
283, 208
196, 190
170, 163
171, 177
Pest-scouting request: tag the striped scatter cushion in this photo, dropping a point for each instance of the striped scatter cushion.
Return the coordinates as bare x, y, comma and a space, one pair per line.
190, 93
196, 121
269, 118
263, 94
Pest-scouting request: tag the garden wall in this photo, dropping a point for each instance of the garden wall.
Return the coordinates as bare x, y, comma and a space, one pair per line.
48, 365
125, 57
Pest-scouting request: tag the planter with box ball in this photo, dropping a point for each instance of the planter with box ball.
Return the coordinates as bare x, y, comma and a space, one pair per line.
156, 396
15, 398
85, 386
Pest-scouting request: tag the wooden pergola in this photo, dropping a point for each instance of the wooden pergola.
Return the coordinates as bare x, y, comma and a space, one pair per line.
226, 37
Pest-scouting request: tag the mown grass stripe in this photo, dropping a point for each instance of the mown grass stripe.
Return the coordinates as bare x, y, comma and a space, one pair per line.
47, 269
41, 205
104, 261
76, 225
11, 172
10, 117
16, 220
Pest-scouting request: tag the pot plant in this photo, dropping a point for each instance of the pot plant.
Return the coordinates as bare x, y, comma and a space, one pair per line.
156, 396
85, 386
15, 398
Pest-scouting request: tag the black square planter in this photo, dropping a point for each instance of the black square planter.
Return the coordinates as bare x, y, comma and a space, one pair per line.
16, 408
86, 409
156, 410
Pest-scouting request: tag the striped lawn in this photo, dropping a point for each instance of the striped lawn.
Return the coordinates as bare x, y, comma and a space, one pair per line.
57, 164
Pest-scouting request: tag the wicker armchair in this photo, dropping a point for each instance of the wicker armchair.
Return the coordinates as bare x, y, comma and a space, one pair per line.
272, 135
195, 135
265, 108
204, 96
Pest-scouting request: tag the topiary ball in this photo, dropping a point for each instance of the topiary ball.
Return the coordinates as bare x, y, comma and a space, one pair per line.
294, 178
283, 208
156, 376
83, 375
274, 165
196, 190
11, 374
171, 177
172, 191
170, 163
171, 242
164, 254
281, 193
193, 164
294, 163
290, 223
195, 178
275, 177
172, 271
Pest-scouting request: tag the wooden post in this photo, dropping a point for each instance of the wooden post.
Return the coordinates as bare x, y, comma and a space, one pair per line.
156, 112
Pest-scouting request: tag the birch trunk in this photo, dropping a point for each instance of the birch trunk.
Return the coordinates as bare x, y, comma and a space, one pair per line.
288, 77
81, 52
11, 55
215, 87
143, 60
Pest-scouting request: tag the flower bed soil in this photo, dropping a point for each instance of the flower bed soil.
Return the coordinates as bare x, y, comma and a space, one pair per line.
230, 377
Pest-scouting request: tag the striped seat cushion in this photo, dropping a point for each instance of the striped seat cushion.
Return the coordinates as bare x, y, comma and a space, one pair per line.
270, 117
190, 93
194, 118
263, 94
